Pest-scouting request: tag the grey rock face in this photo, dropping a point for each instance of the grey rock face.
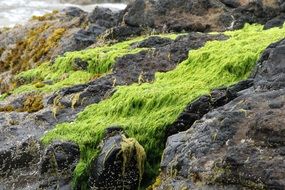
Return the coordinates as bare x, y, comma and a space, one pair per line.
200, 15
120, 164
197, 109
129, 68
126, 70
52, 35
236, 146
21, 159
57, 164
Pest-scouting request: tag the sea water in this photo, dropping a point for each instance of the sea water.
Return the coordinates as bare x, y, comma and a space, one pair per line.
20, 11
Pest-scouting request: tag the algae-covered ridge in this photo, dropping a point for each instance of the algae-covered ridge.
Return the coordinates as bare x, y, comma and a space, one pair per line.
64, 71
144, 110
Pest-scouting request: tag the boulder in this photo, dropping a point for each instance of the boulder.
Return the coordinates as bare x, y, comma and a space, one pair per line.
57, 165
204, 104
275, 22
120, 165
199, 15
239, 145
22, 158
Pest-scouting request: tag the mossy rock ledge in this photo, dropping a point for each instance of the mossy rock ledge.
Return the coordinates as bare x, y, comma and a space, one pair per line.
174, 94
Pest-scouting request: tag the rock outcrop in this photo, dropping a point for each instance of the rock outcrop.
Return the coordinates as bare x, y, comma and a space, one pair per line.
120, 165
87, 2
232, 138
238, 145
202, 16
46, 37
37, 116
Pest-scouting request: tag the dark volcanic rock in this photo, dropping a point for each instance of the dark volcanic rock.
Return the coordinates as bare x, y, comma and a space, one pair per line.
21, 159
200, 15
120, 33
275, 22
175, 15
45, 37
103, 17
239, 145
120, 163
140, 67
259, 11
231, 3
58, 107
152, 42
57, 164
197, 109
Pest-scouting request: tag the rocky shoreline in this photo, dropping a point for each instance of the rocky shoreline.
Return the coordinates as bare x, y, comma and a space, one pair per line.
83, 105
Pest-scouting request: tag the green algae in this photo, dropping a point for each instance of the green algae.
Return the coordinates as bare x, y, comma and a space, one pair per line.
3, 96
62, 73
144, 110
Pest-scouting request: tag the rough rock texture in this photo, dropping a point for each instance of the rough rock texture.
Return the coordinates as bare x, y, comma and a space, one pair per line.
87, 2
57, 164
120, 164
204, 104
227, 149
46, 37
38, 169
200, 15
141, 67
236, 146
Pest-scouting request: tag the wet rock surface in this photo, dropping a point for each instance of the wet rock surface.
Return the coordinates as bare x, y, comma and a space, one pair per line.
204, 104
239, 145
58, 107
120, 164
140, 67
57, 164
46, 37
199, 15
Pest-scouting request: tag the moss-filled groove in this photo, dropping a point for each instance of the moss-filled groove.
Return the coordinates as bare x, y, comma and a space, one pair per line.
144, 110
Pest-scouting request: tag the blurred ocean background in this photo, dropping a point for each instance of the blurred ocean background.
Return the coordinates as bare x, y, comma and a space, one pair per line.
19, 11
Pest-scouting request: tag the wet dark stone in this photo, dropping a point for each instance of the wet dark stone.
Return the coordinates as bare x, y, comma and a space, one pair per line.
57, 165
110, 170
238, 145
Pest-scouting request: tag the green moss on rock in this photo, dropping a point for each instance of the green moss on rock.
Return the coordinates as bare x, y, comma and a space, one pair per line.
145, 110
63, 72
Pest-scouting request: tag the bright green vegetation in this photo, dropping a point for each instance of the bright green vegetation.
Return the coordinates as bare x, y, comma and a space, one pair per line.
3, 96
145, 110
63, 73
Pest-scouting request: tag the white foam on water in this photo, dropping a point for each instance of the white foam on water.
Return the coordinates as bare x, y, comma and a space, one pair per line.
20, 11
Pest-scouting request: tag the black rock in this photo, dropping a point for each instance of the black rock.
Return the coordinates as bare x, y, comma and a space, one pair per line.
119, 165
231, 3
275, 22
103, 17
57, 164
73, 11
152, 42
238, 145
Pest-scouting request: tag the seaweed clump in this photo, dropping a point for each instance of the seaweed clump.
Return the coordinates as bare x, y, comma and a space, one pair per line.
145, 110
75, 67
31, 103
